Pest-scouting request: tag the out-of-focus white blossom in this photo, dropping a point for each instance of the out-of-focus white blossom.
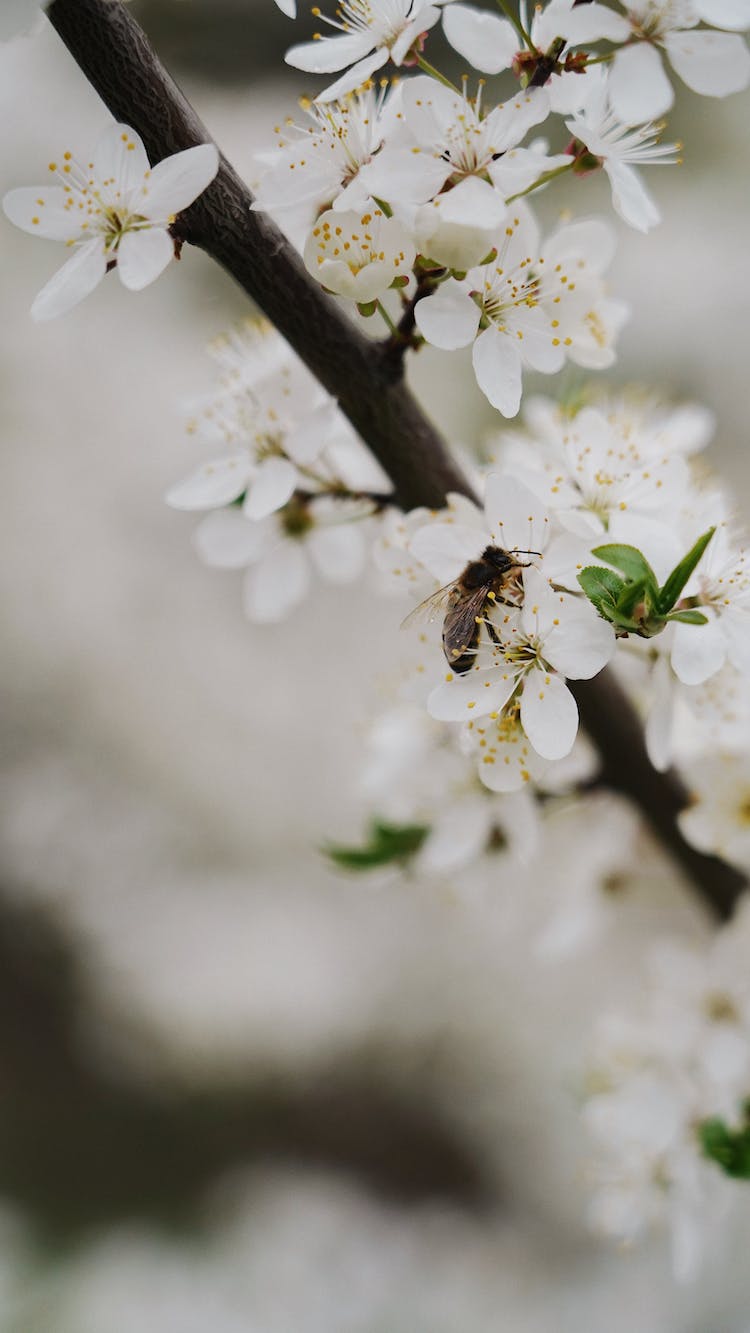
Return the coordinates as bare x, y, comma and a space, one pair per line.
115, 210
271, 421
282, 551
654, 1078
717, 819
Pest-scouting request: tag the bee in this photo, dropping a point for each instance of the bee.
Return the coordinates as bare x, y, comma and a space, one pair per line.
465, 600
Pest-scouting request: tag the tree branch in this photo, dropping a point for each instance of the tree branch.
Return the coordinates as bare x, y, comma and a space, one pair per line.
79, 1150
116, 57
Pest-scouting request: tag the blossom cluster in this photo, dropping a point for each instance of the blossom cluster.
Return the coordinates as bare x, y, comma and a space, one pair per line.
288, 486
659, 1081
595, 536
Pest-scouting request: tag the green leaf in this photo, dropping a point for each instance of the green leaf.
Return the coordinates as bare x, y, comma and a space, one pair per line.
629, 560
681, 573
602, 587
367, 308
729, 1148
387, 844
688, 617
631, 596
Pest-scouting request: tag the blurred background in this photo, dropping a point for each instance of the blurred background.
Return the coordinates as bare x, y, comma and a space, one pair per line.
240, 1092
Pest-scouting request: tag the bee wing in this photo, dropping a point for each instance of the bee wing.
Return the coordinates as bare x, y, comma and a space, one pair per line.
438, 603
460, 627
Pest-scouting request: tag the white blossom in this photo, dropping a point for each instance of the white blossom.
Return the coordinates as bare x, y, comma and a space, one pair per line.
270, 420
712, 63
720, 589
533, 306
445, 136
115, 210
717, 819
620, 150
372, 32
591, 471
655, 1076
319, 164
490, 43
359, 255
519, 673
416, 771
281, 552
288, 7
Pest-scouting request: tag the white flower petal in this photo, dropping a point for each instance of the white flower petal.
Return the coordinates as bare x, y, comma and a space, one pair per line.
226, 539
448, 319
120, 162
405, 175
357, 75
462, 698
42, 212
497, 366
517, 519
736, 626
338, 551
549, 714
630, 197
304, 441
288, 7
458, 228
277, 584
660, 721
488, 42
639, 90
176, 182
270, 488
582, 644
330, 53
79, 276
216, 483
578, 24
712, 63
507, 765
591, 240
724, 13
698, 652
446, 548
459, 836
142, 256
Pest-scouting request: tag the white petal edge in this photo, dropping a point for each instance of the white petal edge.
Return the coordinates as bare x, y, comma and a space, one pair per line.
179, 180
549, 714
142, 256
72, 283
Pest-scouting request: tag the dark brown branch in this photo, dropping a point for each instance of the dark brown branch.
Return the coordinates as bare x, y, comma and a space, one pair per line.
114, 53
78, 1149
615, 728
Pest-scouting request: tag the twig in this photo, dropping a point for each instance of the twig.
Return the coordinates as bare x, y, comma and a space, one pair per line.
115, 55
